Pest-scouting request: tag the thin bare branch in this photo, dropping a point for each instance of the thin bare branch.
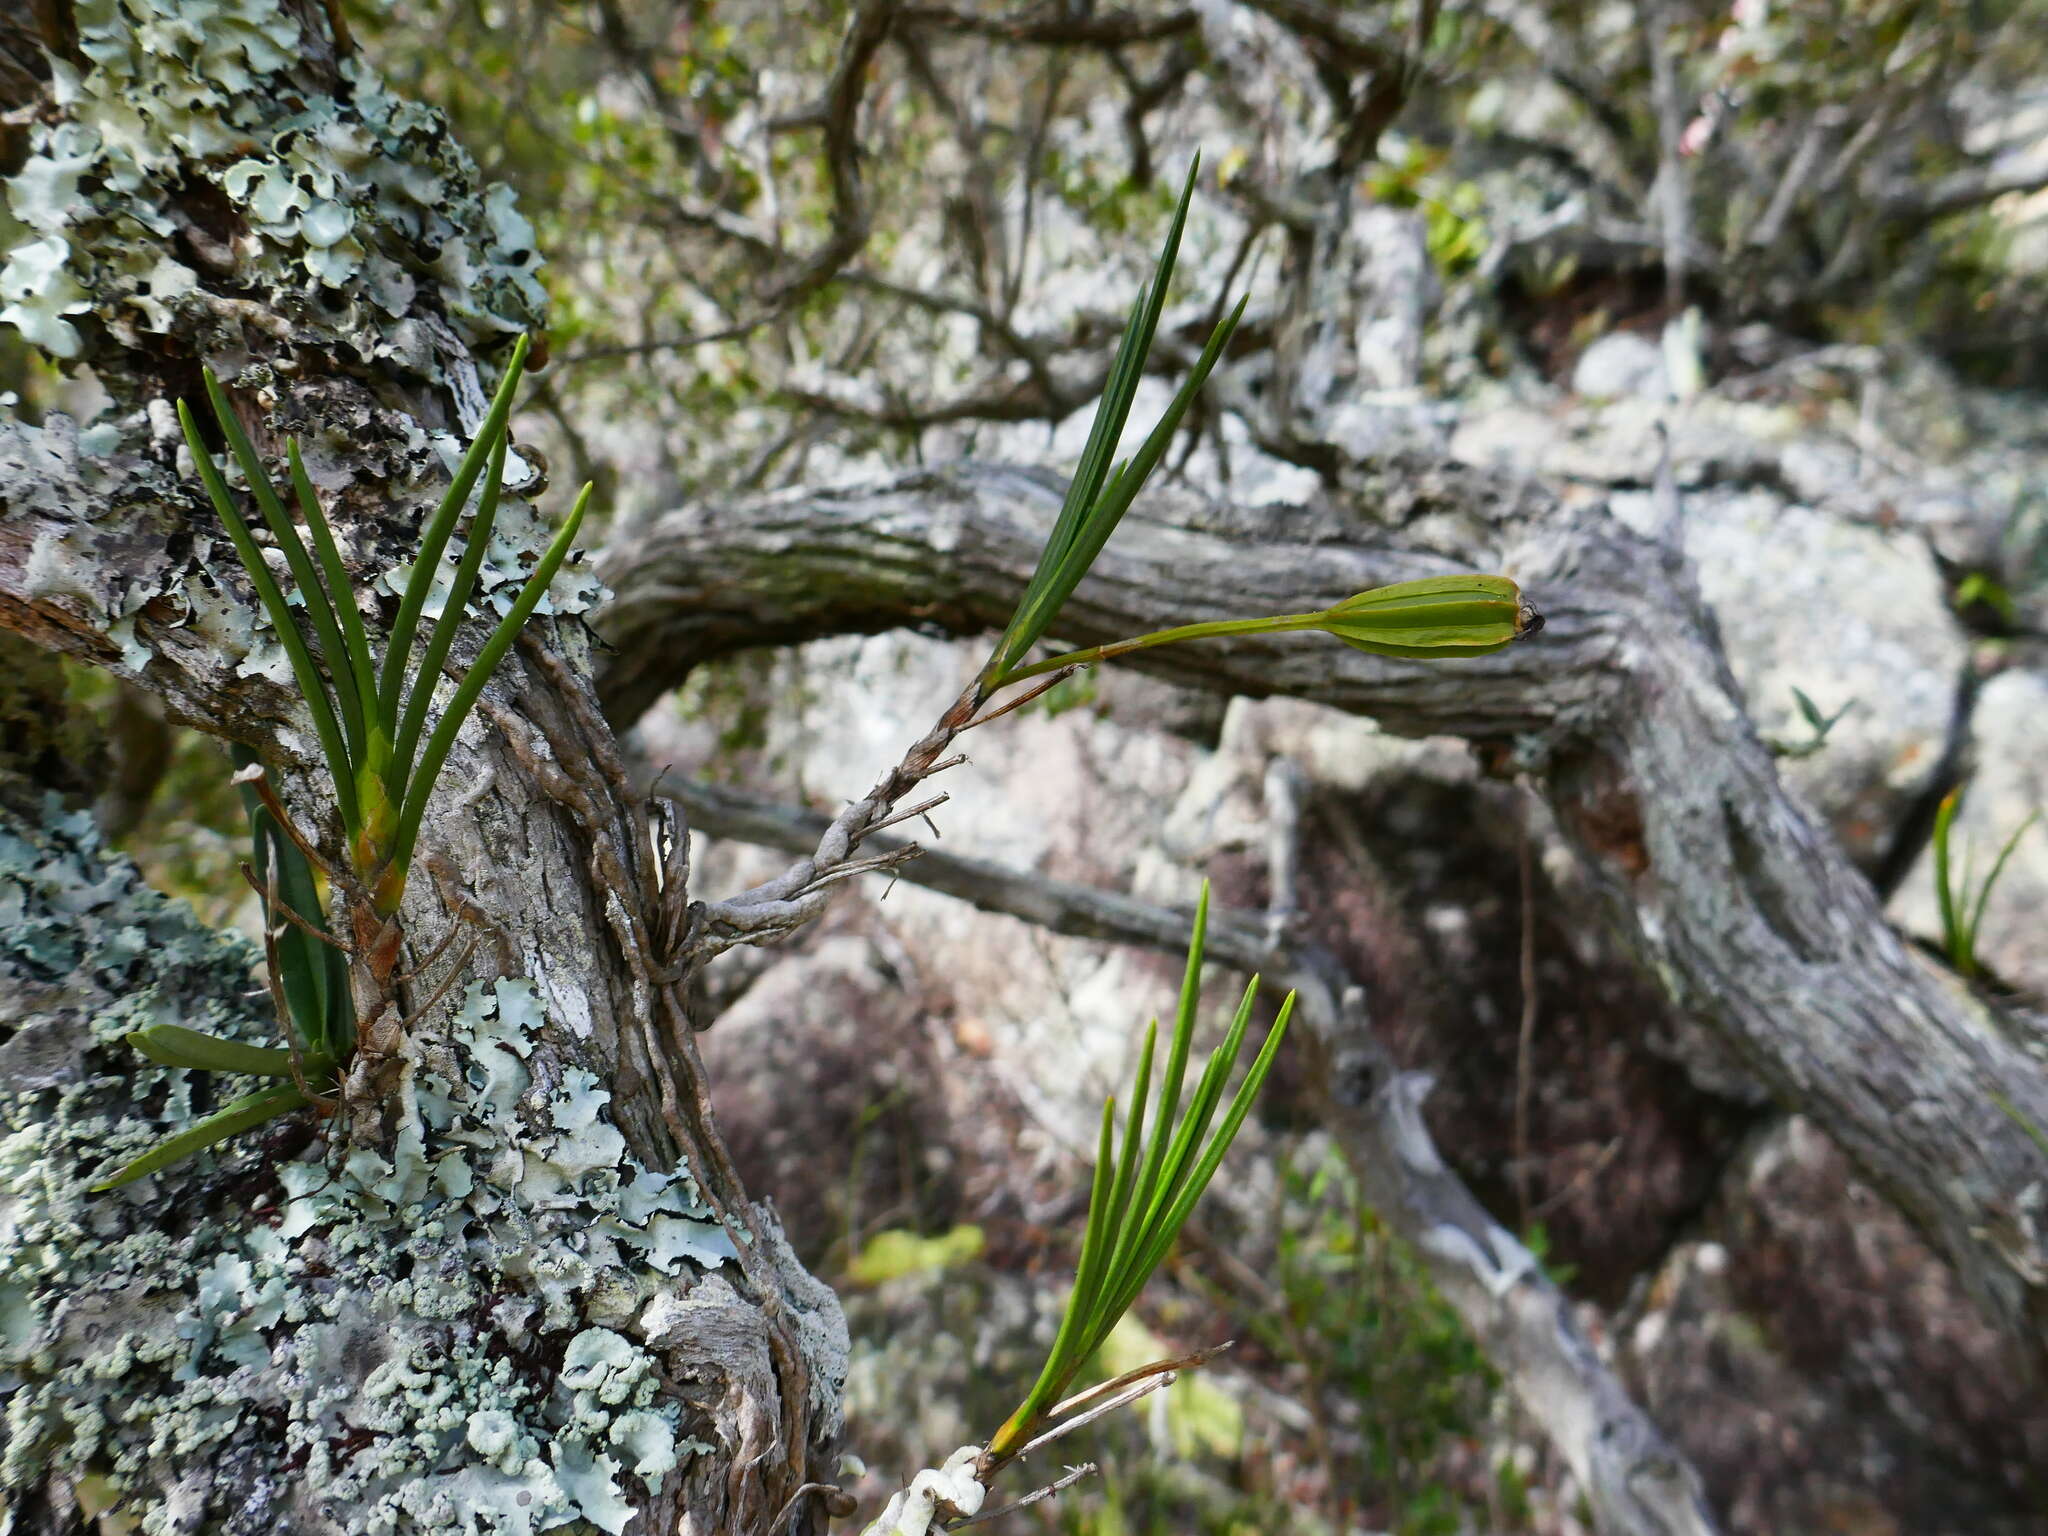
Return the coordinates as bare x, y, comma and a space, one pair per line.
836, 114
1056, 26
1960, 192
1070, 1477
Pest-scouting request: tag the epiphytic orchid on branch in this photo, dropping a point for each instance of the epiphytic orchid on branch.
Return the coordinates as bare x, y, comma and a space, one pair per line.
382, 762
1143, 1192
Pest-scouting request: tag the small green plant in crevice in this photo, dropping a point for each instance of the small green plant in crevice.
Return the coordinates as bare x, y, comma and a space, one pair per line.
1536, 1238
1982, 597
1962, 901
336, 995
1143, 1192
1453, 211
1816, 722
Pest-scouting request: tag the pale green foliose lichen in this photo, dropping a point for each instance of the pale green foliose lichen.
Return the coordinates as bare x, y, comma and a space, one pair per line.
200, 180
195, 1345
355, 199
247, 1343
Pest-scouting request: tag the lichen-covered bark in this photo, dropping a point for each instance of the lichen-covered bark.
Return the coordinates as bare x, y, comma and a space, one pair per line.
548, 1301
1623, 712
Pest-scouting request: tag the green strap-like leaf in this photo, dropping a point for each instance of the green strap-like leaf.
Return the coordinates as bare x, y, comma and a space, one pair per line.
1076, 527
319, 609
314, 974
1201, 1109
1991, 880
1105, 432
1944, 882
172, 1045
1198, 1181
362, 662
325, 726
242, 1115
1176, 1074
1180, 1154
435, 539
1133, 1218
1070, 1348
452, 615
1125, 373
1122, 1189
1130, 480
472, 685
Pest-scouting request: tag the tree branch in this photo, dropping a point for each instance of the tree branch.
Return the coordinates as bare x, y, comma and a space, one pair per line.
837, 114
1957, 193
1055, 27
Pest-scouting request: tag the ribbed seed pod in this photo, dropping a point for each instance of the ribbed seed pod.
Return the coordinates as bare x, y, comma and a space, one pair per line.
1437, 617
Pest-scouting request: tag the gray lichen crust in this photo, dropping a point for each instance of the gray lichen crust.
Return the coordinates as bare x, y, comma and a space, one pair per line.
190, 1350
193, 197
354, 200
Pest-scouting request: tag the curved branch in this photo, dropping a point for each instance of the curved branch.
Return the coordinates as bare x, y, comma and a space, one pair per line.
1625, 714
837, 114
1959, 192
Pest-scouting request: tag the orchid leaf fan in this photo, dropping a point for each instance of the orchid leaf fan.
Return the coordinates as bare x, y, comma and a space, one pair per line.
1097, 499
1145, 1189
383, 750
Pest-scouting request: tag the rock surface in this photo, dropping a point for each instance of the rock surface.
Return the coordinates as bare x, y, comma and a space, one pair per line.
1621, 364
1823, 1371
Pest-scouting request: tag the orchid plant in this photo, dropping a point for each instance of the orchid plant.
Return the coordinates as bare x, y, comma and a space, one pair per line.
382, 760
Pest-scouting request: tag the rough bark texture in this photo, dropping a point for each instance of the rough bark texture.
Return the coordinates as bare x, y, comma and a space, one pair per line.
548, 1299
1623, 713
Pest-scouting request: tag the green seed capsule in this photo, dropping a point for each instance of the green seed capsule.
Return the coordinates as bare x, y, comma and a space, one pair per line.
1436, 618
1439, 618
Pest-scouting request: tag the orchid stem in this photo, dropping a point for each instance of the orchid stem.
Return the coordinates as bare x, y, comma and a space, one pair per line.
1280, 624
